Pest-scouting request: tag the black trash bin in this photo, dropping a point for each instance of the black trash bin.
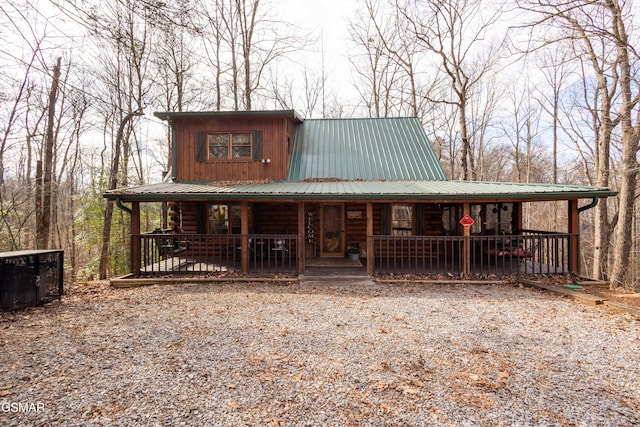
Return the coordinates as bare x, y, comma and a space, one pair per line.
29, 278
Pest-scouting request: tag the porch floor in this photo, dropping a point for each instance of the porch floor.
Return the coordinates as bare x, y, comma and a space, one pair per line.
338, 262
517, 266
188, 264
194, 264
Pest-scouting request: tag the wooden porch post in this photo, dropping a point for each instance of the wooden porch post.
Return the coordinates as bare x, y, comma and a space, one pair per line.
370, 249
466, 247
244, 231
300, 250
135, 237
519, 222
574, 231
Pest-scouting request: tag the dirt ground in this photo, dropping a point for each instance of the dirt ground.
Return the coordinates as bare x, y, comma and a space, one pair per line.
602, 290
339, 353
631, 299
595, 288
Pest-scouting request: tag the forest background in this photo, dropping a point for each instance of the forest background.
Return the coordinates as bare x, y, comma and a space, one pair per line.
515, 90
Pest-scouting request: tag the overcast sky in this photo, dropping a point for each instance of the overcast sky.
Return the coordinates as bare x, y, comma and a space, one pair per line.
326, 20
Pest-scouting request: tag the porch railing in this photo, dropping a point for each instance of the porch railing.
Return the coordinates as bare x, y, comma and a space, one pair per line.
164, 252
530, 253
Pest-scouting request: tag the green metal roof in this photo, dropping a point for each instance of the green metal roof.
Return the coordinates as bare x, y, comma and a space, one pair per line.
364, 149
380, 190
356, 159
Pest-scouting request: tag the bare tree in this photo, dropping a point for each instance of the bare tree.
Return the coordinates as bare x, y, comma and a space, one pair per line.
175, 56
628, 60
313, 92
378, 75
441, 122
522, 130
120, 31
79, 105
263, 40
458, 34
598, 30
391, 63
23, 87
45, 167
555, 66
579, 119
242, 39
217, 27
483, 107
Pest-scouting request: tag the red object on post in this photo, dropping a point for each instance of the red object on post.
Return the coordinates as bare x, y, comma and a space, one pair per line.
467, 221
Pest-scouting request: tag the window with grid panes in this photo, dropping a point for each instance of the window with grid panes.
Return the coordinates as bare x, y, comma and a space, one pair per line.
229, 145
402, 220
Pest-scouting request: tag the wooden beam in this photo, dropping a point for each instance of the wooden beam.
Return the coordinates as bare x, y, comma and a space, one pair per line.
577, 296
300, 249
370, 247
518, 206
466, 250
574, 230
135, 237
244, 231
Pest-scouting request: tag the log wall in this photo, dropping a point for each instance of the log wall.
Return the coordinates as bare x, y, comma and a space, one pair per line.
282, 218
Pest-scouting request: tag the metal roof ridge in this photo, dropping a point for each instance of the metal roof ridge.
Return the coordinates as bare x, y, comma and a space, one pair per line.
319, 119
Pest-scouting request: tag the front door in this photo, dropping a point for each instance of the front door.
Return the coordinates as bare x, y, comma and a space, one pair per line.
332, 230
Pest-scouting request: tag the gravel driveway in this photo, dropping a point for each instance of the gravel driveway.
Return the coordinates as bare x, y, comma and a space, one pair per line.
343, 355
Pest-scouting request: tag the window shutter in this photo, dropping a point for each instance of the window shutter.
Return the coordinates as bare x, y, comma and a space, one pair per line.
200, 146
257, 145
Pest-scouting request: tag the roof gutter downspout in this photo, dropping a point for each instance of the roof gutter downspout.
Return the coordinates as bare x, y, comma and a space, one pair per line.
123, 207
593, 204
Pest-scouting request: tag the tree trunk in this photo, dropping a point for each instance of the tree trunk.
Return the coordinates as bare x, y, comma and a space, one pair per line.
111, 185
630, 141
624, 228
38, 202
602, 229
601, 240
43, 224
464, 140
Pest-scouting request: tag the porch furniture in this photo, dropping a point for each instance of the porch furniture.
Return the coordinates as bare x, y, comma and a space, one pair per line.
507, 249
279, 249
256, 249
168, 244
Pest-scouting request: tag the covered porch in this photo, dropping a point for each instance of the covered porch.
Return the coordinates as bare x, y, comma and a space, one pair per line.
403, 238
533, 253
396, 227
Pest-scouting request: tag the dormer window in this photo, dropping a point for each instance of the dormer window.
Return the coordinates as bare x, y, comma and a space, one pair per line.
242, 145
229, 145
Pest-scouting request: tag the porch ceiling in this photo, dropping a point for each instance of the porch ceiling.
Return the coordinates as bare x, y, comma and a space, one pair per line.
379, 190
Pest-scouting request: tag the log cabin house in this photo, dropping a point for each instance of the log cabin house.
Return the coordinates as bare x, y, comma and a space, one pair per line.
267, 191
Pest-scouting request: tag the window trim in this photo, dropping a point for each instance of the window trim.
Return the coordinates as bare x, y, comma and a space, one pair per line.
406, 231
229, 135
231, 218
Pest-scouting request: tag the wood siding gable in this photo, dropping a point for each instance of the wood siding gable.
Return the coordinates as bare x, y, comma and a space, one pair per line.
269, 156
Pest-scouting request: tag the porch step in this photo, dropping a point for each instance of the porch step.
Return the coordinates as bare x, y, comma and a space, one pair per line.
336, 276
